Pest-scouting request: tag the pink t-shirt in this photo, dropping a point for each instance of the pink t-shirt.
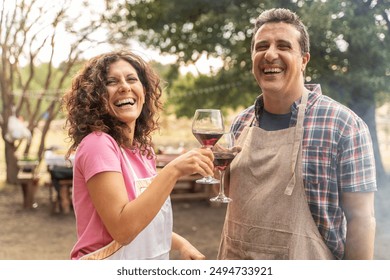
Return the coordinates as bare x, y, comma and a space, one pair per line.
98, 152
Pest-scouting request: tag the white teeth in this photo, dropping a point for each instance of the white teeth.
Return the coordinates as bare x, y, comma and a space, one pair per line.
272, 70
130, 101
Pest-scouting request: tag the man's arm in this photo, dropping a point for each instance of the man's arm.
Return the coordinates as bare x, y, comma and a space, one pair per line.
359, 211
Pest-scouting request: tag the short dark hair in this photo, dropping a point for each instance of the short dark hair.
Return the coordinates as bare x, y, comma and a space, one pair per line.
286, 16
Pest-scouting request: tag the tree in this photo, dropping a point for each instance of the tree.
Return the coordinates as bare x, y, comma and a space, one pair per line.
30, 87
351, 55
349, 50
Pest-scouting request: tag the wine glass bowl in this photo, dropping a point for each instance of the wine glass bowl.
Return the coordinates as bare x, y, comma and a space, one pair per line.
208, 127
207, 139
224, 152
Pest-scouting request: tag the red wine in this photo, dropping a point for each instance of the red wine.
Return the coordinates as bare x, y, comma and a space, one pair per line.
222, 160
207, 139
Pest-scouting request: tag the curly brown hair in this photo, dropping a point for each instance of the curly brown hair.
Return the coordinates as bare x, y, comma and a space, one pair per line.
87, 103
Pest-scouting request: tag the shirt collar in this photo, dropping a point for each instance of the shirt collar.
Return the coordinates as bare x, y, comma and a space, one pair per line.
314, 94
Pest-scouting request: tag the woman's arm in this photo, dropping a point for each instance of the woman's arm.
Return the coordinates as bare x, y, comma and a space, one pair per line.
109, 196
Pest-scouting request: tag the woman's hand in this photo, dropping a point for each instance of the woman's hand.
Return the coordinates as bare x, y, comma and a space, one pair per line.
185, 248
189, 252
195, 161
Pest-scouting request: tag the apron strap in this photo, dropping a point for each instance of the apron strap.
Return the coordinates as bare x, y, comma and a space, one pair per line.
297, 142
146, 164
129, 164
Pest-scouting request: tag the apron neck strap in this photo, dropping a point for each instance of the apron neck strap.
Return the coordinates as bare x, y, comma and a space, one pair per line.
146, 164
297, 141
302, 108
127, 160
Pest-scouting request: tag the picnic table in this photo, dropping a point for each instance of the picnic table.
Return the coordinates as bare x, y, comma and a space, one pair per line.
186, 187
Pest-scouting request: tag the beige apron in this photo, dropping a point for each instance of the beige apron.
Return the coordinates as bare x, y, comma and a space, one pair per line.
269, 217
153, 243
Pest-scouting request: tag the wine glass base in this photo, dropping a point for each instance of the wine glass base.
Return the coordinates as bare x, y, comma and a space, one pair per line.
210, 181
221, 199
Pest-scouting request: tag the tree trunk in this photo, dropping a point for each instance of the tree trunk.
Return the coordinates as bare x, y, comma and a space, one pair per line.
45, 130
12, 163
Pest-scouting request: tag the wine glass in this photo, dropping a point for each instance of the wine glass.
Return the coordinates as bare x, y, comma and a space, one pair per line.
207, 127
224, 152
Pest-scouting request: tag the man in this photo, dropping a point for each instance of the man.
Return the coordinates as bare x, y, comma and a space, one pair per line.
303, 185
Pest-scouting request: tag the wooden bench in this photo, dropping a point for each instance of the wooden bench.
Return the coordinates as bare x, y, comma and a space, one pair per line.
60, 188
29, 182
28, 179
61, 200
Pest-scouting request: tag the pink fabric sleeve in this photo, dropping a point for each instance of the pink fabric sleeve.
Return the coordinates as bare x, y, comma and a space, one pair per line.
107, 158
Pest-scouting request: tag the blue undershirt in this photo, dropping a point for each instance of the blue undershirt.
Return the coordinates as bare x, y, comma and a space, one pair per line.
272, 122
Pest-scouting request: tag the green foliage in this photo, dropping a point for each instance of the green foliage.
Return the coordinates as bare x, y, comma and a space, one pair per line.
39, 79
189, 92
223, 29
349, 49
36, 90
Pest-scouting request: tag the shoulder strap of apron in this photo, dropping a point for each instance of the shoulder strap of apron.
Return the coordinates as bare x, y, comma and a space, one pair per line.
297, 142
146, 164
129, 164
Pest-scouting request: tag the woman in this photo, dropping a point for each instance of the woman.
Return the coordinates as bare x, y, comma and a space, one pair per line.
122, 205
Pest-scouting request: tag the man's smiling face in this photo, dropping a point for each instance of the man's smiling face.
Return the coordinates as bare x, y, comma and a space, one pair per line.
277, 60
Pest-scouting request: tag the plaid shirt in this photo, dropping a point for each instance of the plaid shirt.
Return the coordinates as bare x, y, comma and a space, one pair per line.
337, 157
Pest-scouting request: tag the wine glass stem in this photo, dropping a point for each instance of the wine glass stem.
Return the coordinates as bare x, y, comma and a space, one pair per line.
222, 183
208, 178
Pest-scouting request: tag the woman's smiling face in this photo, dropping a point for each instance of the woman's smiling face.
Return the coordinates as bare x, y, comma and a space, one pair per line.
125, 92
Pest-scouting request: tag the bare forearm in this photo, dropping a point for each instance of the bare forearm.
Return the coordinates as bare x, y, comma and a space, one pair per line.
177, 241
360, 238
187, 251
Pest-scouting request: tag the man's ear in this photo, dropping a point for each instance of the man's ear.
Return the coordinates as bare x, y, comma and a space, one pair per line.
305, 61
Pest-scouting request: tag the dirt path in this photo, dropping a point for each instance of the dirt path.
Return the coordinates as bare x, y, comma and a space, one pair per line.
38, 234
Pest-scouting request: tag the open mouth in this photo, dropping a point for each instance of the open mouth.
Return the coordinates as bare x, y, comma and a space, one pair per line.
268, 71
124, 102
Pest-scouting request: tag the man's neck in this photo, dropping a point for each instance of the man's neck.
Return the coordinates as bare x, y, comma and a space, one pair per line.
281, 104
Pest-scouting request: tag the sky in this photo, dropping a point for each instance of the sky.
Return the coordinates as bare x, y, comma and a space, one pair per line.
203, 65
81, 16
